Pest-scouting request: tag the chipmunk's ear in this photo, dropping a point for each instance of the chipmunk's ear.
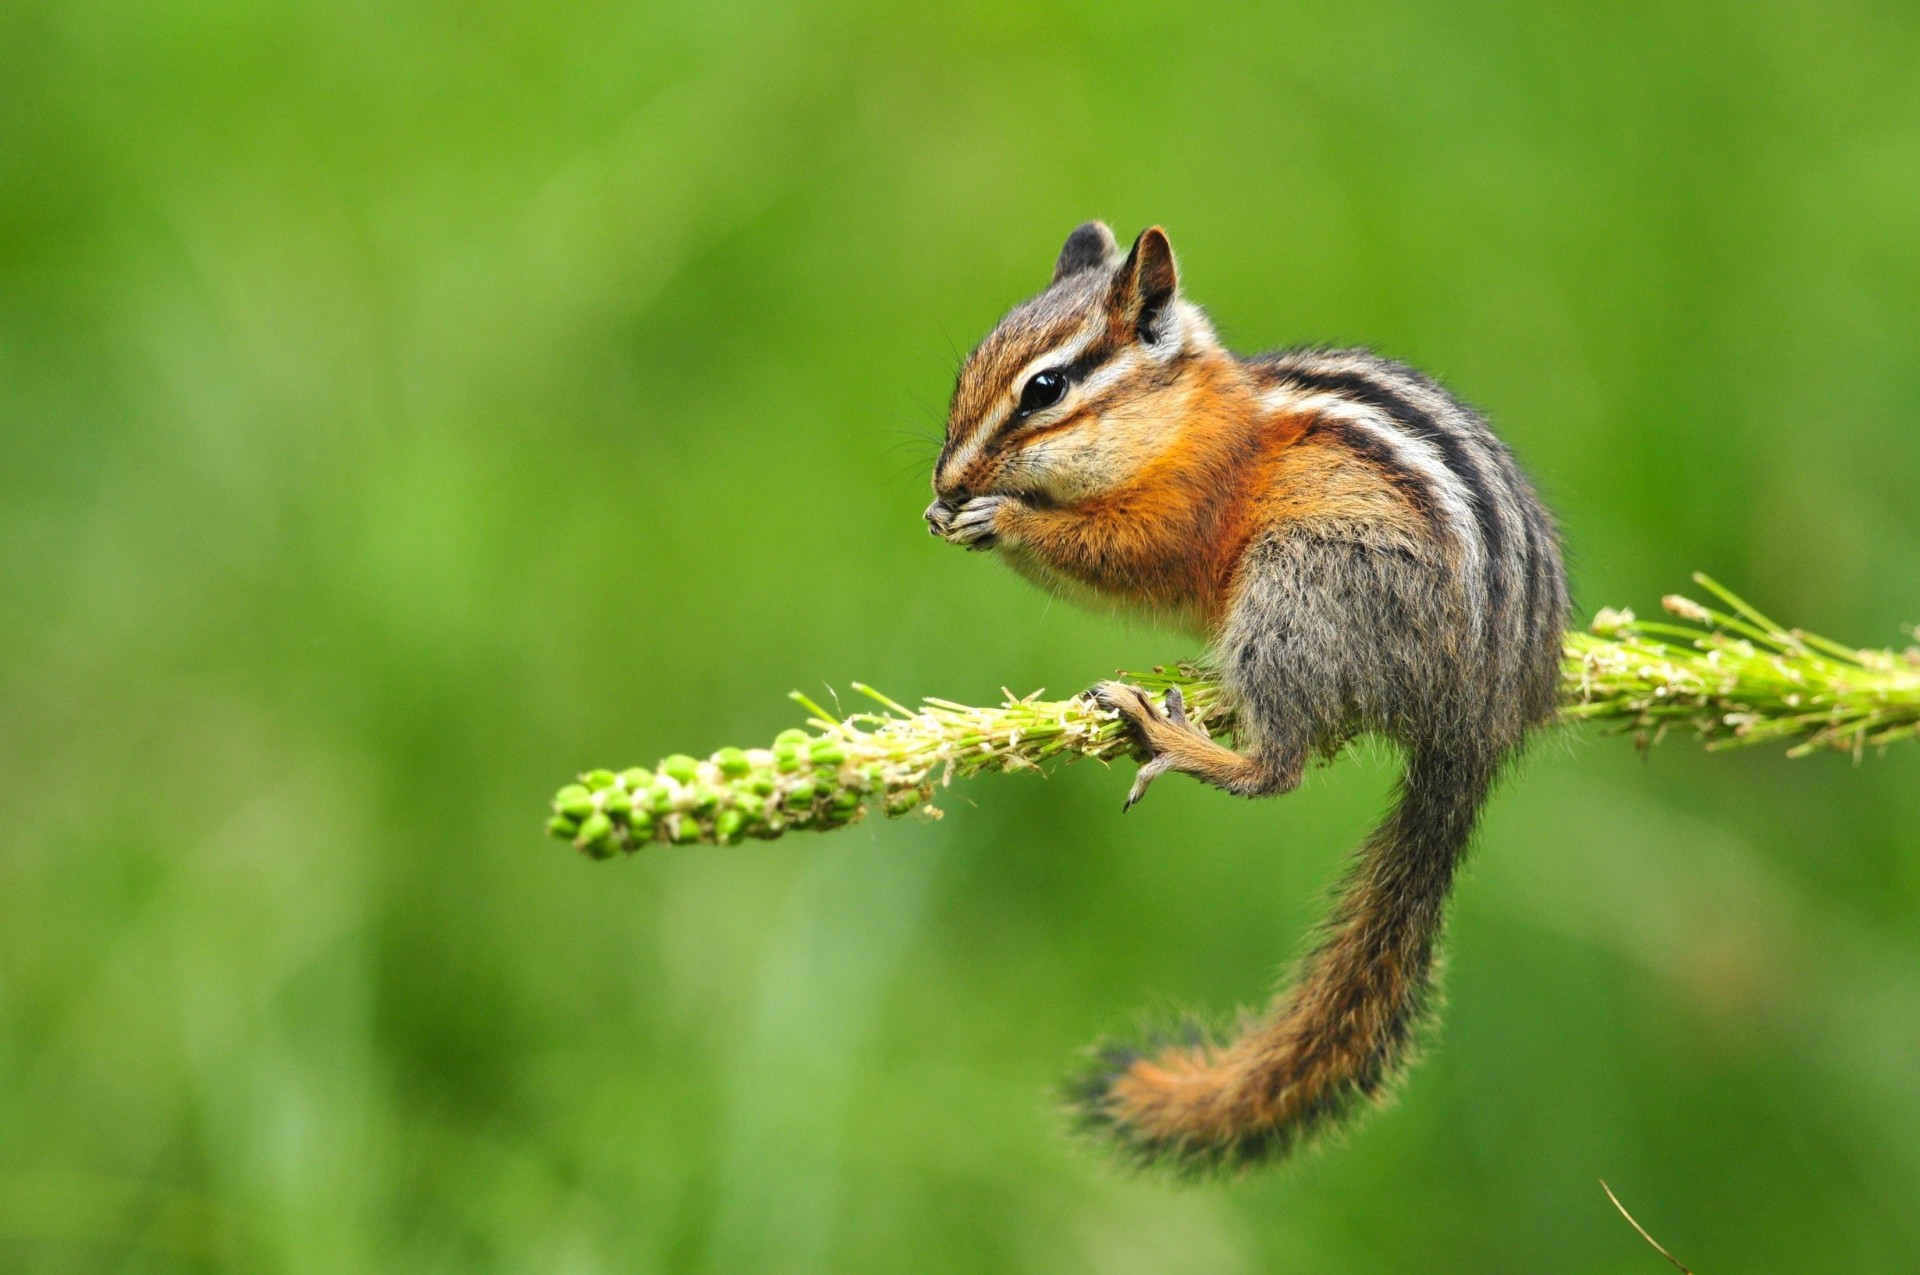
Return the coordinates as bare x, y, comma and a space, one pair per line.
1091, 244
1147, 284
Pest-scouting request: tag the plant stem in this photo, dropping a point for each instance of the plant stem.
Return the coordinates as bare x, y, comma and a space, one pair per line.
1740, 680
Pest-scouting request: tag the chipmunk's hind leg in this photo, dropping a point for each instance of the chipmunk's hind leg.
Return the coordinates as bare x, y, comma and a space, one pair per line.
1173, 742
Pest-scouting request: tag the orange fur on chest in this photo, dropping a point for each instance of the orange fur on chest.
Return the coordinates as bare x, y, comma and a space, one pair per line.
1172, 539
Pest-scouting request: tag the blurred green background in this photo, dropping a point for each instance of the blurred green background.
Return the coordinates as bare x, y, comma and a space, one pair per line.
405, 405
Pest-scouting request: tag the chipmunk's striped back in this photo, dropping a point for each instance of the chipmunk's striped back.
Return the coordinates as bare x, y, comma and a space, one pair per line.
1443, 454
1364, 555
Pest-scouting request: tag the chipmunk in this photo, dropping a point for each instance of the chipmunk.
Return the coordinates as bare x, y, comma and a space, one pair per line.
1362, 554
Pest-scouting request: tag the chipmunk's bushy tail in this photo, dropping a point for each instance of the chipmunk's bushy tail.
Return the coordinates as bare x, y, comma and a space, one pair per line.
1335, 1040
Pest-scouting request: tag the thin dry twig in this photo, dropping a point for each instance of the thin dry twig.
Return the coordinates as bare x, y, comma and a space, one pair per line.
1657, 1246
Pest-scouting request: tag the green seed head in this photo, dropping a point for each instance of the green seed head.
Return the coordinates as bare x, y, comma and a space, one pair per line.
681, 767
727, 825
795, 738
616, 801
562, 827
827, 752
637, 778
901, 802
732, 762
595, 828
686, 829
598, 779
573, 801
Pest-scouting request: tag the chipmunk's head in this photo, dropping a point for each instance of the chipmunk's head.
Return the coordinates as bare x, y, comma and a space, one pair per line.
1078, 389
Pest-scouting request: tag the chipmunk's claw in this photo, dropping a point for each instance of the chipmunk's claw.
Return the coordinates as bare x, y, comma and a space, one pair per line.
971, 526
1149, 771
1123, 698
1150, 722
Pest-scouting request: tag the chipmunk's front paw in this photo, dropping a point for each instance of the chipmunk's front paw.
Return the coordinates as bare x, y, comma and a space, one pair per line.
1159, 730
975, 524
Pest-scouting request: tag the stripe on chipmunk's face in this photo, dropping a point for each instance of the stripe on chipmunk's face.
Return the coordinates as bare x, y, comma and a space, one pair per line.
1065, 398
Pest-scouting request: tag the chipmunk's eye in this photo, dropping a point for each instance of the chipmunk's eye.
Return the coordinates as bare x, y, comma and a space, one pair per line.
1043, 389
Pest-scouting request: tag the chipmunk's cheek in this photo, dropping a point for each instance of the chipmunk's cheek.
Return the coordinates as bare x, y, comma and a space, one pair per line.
1072, 469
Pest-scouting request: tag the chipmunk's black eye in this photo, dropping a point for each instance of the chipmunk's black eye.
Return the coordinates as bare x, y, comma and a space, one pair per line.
1043, 389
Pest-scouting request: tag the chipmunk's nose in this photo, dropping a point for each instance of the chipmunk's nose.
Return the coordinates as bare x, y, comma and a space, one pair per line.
939, 514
